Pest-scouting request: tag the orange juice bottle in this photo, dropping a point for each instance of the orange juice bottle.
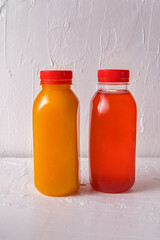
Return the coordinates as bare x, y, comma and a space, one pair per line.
55, 135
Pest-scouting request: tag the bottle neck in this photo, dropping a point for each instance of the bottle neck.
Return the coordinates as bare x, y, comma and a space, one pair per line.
56, 86
112, 87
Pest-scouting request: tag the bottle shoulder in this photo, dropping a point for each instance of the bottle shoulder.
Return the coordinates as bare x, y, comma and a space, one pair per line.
115, 99
55, 98
38, 100
74, 96
132, 98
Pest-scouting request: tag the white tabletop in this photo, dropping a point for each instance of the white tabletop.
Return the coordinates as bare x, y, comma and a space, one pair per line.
28, 215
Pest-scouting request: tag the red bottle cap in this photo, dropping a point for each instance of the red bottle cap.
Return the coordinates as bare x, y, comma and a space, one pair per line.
56, 77
113, 75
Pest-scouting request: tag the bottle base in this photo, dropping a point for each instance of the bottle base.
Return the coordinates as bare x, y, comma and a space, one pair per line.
58, 194
109, 188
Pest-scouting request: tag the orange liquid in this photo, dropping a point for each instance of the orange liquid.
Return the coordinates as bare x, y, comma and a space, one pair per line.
112, 141
55, 117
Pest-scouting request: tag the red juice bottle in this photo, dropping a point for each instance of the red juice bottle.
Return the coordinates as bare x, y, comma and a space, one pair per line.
112, 145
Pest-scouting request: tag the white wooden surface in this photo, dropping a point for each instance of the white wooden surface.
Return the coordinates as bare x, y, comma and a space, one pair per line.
28, 215
81, 35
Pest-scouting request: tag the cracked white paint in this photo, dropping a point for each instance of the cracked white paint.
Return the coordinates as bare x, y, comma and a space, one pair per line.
82, 36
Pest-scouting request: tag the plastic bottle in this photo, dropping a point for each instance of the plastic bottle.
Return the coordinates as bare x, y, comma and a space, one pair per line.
112, 133
55, 132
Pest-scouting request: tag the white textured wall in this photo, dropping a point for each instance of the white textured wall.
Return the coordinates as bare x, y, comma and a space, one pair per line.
81, 35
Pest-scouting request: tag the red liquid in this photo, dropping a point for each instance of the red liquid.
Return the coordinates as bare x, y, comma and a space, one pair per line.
112, 141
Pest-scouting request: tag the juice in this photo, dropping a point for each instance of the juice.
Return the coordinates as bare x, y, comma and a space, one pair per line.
55, 119
112, 139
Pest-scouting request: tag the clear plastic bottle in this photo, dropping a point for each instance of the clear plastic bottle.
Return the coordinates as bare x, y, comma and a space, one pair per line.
55, 132
112, 133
